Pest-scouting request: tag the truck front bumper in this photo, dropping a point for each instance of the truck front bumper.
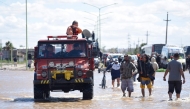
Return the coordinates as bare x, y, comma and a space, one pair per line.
62, 81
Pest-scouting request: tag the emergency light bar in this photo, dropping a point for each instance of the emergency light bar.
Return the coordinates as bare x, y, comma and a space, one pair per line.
65, 36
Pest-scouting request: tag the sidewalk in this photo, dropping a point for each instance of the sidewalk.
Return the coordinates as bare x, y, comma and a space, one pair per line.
12, 67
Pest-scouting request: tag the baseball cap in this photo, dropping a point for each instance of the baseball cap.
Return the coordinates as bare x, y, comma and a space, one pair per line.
125, 55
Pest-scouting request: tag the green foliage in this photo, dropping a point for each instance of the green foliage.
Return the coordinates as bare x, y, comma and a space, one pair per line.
142, 45
113, 50
103, 49
8, 45
136, 50
161, 70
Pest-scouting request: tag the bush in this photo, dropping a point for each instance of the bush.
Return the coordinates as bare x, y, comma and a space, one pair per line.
161, 70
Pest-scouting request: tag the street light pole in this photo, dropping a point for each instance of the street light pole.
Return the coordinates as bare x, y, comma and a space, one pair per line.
97, 24
99, 30
26, 40
99, 8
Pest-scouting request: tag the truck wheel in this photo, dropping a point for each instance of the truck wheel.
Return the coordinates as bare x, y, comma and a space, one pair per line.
38, 92
88, 92
47, 94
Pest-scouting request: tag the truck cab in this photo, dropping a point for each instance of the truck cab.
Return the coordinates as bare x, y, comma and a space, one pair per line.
64, 63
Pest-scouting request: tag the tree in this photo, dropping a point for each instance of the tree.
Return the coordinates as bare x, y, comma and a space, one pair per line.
138, 49
104, 49
141, 46
9, 47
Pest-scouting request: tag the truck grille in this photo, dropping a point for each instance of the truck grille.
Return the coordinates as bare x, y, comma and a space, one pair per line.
60, 76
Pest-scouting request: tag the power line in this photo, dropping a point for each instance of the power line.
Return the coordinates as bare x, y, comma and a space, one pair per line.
128, 42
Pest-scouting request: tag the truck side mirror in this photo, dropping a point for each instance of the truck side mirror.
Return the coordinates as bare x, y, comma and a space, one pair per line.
95, 49
35, 52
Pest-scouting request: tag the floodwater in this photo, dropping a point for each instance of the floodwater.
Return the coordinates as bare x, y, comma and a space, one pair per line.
16, 92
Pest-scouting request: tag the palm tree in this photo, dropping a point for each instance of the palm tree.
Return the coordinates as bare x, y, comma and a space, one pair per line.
9, 47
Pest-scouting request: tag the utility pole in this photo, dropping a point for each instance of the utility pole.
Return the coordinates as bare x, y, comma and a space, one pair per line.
26, 39
128, 42
147, 37
138, 41
166, 28
138, 45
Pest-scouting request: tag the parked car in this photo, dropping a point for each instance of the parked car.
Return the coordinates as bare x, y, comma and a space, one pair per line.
112, 57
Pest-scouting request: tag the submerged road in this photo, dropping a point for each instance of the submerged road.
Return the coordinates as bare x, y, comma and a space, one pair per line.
16, 92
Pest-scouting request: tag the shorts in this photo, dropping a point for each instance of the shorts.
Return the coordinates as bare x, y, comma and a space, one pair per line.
177, 85
115, 76
145, 81
127, 83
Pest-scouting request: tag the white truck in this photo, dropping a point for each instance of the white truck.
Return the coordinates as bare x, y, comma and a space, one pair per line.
170, 50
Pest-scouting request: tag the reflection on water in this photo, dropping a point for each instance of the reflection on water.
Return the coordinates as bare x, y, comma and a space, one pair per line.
20, 95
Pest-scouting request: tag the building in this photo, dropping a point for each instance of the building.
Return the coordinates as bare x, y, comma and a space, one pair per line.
19, 53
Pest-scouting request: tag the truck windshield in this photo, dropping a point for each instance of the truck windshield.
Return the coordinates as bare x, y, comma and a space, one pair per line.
181, 55
61, 50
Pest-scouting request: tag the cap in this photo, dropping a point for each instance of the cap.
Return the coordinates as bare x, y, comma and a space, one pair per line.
126, 55
116, 60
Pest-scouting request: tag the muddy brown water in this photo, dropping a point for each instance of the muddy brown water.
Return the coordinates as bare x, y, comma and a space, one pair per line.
16, 92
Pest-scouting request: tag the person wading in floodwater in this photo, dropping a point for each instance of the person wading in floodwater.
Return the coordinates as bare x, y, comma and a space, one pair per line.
127, 69
175, 70
146, 74
115, 72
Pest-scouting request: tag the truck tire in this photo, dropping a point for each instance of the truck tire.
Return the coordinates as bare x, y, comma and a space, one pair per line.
88, 92
47, 94
38, 92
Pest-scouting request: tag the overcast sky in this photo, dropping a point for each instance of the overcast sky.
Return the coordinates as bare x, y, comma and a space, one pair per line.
133, 17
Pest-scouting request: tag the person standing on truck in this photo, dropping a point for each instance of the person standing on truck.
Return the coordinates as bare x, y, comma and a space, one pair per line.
73, 29
175, 70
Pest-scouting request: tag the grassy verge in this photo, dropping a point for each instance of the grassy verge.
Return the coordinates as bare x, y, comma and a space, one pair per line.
161, 70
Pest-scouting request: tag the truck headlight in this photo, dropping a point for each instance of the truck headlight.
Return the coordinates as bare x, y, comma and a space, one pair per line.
51, 64
44, 74
80, 73
71, 63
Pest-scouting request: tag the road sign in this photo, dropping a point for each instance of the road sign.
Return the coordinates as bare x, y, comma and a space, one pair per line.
1, 53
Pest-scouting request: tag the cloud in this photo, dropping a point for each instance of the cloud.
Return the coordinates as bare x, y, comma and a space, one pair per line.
51, 18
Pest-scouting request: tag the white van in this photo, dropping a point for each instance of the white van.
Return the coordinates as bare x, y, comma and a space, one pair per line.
170, 50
